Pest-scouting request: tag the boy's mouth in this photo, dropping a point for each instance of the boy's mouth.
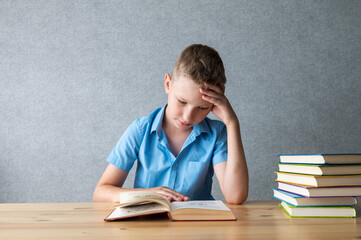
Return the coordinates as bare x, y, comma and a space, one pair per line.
184, 124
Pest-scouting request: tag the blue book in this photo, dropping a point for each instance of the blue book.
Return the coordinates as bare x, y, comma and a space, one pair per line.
339, 158
301, 201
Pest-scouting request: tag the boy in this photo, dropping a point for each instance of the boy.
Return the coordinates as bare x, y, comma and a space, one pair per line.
178, 148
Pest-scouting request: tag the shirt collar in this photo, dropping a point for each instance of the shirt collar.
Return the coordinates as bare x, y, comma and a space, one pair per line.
197, 129
201, 127
157, 122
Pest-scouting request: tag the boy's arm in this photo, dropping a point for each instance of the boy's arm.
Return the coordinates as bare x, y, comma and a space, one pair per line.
110, 185
232, 175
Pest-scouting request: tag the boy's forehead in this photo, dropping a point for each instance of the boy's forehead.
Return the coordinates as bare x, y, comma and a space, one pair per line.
188, 90
185, 79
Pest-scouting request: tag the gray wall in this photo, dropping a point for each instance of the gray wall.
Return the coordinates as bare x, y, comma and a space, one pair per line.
75, 74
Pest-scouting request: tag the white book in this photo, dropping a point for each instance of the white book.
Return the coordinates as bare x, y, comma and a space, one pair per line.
344, 158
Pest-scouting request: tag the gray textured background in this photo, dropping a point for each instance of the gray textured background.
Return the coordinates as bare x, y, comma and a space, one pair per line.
75, 74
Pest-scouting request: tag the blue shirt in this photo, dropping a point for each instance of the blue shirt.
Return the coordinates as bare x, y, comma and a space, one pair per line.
190, 173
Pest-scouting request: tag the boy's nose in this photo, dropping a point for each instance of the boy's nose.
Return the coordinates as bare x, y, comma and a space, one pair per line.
188, 115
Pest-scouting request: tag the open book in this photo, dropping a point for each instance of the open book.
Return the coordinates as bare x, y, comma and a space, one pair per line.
140, 203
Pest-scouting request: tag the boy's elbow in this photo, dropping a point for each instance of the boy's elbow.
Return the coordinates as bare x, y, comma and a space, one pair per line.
237, 200
96, 195
95, 198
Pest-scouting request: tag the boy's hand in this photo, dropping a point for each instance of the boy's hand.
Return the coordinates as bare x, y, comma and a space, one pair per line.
168, 193
221, 106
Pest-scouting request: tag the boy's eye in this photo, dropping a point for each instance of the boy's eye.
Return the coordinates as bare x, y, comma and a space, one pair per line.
181, 102
203, 108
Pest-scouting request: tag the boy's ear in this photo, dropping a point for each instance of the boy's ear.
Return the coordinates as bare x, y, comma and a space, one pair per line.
167, 82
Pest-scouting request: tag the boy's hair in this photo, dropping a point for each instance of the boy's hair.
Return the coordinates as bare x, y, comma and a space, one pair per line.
202, 64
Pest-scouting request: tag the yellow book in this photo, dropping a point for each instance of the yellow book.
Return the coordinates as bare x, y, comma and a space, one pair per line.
319, 181
139, 203
320, 169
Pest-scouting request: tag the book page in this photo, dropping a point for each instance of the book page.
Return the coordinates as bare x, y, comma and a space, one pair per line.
129, 211
141, 198
205, 204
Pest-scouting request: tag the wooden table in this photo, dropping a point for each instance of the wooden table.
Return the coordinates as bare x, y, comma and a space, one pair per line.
256, 220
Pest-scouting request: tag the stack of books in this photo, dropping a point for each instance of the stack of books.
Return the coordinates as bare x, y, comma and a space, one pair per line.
319, 185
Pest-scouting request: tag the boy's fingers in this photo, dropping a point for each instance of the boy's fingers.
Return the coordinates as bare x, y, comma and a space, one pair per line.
178, 196
211, 93
165, 194
172, 194
215, 101
215, 88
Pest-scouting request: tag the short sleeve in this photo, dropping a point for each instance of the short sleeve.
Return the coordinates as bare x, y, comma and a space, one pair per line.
220, 148
126, 150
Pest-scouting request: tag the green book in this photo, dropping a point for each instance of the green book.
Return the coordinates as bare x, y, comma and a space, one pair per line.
318, 212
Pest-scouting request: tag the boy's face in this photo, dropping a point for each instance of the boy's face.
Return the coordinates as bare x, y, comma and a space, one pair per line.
186, 107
